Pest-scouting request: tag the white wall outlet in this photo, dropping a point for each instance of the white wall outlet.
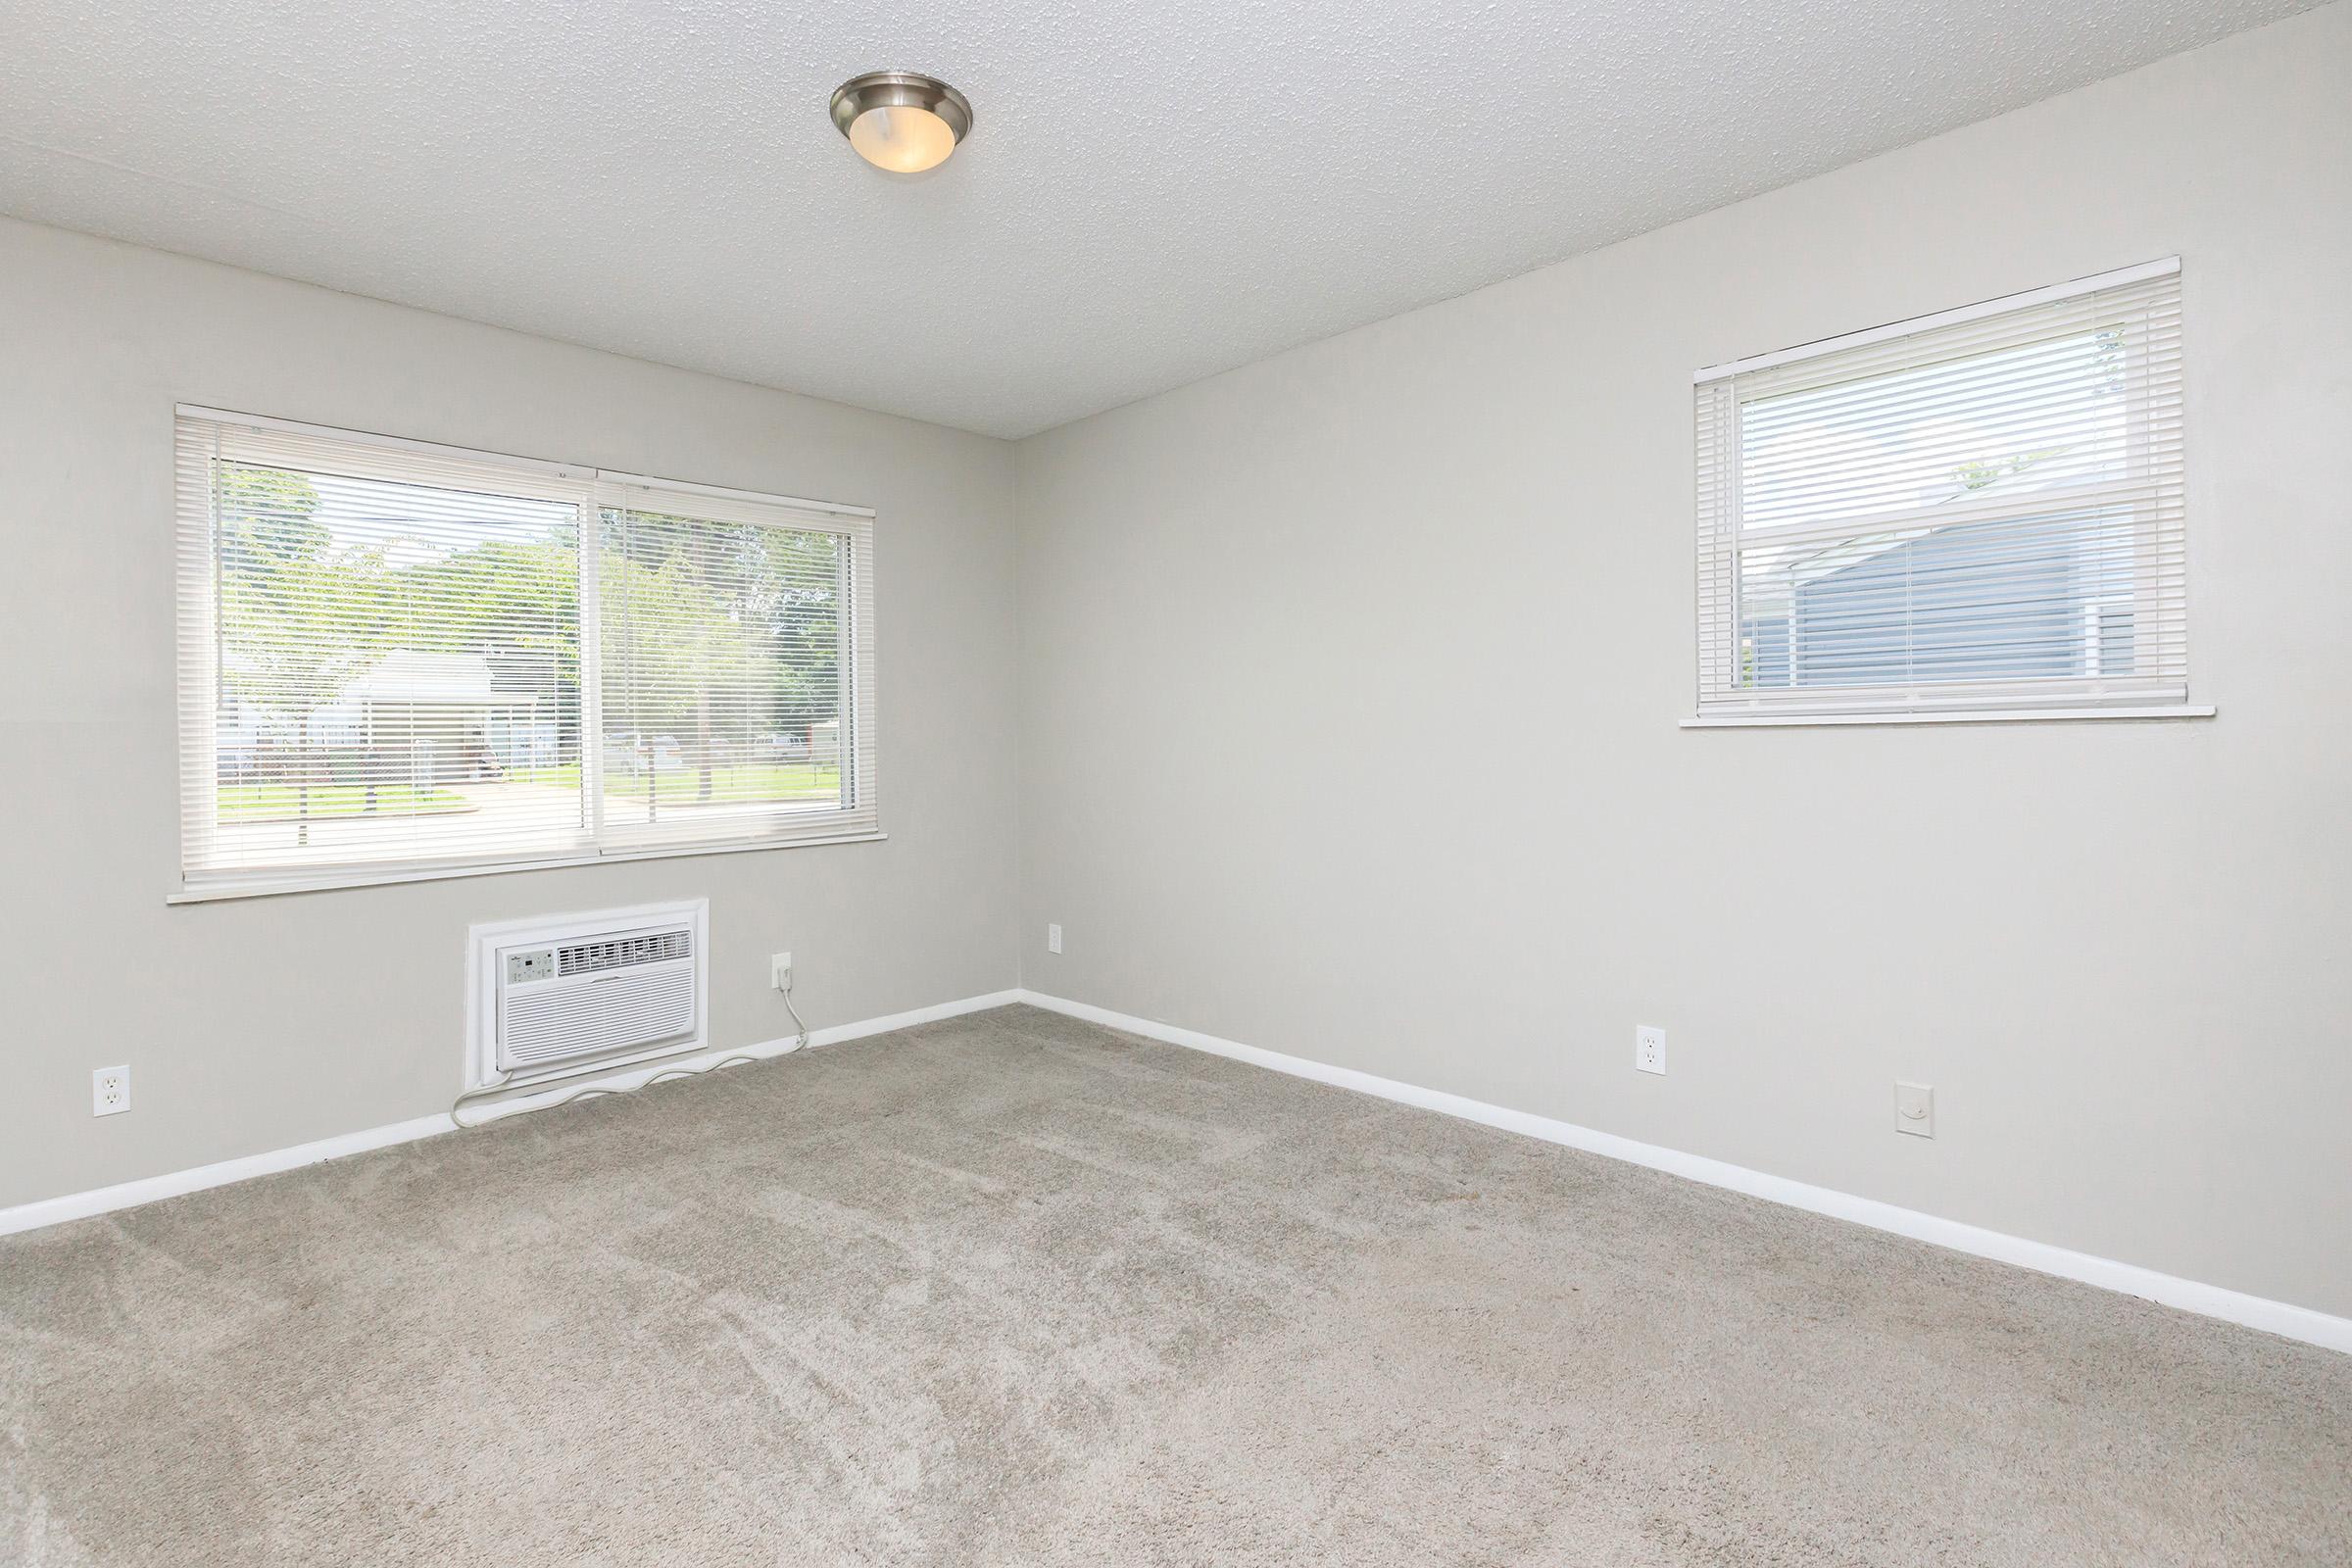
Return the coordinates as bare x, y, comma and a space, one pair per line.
1053, 939
1915, 1109
110, 1091
779, 971
1650, 1048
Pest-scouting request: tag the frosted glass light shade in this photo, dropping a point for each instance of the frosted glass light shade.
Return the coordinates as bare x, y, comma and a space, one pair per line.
905, 140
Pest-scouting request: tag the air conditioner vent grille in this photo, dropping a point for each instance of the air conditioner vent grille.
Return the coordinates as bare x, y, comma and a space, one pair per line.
621, 953
546, 1024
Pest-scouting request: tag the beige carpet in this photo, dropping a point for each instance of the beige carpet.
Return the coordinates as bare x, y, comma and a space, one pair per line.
1014, 1290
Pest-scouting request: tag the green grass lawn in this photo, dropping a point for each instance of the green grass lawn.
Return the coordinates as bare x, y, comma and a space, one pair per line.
762, 781
756, 781
268, 801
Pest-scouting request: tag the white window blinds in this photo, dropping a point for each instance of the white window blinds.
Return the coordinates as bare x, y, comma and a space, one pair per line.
402, 659
1978, 511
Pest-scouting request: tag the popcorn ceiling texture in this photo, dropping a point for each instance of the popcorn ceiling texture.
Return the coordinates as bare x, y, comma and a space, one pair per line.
1155, 189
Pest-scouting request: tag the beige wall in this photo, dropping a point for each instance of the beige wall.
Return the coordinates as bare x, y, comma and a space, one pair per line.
260, 1024
1349, 683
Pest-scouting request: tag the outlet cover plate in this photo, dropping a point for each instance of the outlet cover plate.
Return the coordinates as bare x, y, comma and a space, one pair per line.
1650, 1048
110, 1091
1915, 1109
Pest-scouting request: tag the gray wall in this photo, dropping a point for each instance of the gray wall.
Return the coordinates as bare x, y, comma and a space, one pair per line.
1349, 683
260, 1024
1346, 720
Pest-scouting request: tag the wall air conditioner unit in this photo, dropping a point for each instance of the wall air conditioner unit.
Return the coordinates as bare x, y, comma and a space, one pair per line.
550, 997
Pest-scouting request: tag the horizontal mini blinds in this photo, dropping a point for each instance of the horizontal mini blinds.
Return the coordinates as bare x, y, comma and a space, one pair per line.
728, 652
1977, 510
394, 656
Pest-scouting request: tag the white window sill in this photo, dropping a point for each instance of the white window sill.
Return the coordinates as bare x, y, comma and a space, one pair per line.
297, 881
1984, 715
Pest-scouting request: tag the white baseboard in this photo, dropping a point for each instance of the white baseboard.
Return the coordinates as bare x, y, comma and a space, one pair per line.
148, 1189
483, 1112
2191, 1295
2211, 1301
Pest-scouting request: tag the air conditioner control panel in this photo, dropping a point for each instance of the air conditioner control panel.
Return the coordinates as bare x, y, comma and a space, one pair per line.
539, 964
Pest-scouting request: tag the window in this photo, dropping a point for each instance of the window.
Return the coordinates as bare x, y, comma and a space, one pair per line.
408, 660
1973, 515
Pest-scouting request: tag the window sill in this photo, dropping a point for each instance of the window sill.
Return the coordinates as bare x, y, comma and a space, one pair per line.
1985, 715
263, 887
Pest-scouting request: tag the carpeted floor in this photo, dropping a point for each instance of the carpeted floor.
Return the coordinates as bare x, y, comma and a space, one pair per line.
1016, 1290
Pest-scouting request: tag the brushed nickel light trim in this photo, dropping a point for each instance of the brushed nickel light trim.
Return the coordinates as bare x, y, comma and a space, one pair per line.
901, 90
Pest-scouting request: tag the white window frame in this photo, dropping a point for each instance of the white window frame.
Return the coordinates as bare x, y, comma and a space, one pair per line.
1721, 702
590, 489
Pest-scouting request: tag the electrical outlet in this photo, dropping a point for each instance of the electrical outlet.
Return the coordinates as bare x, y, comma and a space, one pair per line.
1650, 1048
779, 970
1053, 939
110, 1091
1915, 1109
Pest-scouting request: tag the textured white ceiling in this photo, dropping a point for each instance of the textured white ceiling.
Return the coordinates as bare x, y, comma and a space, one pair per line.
1154, 190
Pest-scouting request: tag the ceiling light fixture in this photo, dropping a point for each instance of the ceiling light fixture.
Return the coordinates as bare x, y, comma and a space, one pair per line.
901, 121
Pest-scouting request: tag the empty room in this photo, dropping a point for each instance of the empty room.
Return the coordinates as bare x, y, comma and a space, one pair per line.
1188, 785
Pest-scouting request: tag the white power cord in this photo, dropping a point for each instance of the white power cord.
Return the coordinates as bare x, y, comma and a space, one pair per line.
506, 1080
